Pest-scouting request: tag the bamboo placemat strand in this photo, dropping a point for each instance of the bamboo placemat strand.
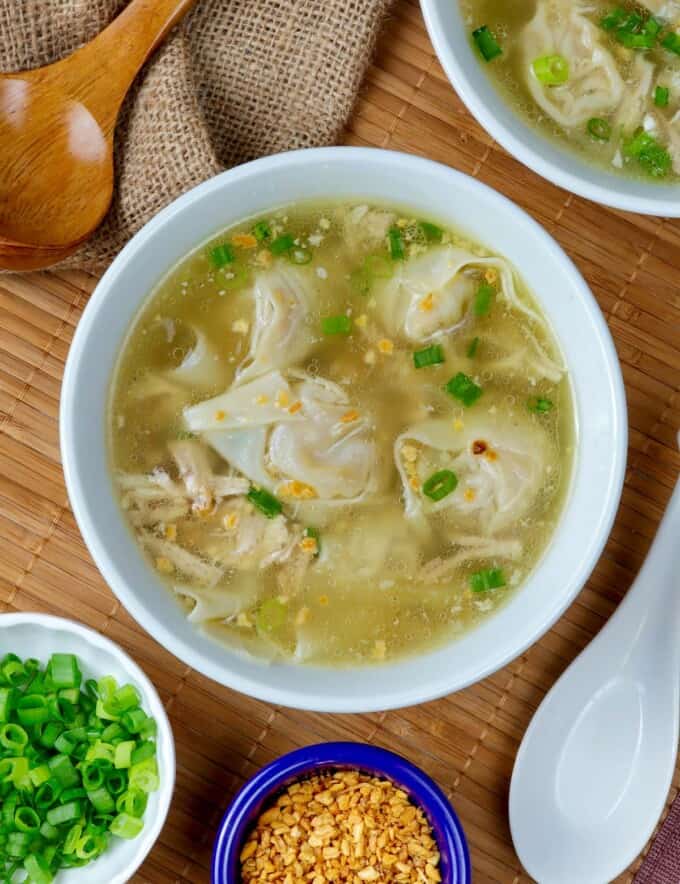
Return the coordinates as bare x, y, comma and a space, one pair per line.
466, 741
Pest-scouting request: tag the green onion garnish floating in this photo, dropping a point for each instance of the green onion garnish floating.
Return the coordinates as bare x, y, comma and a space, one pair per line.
222, 255
472, 348
271, 616
395, 241
671, 42
483, 581
540, 405
282, 244
262, 231
433, 355
464, 389
551, 70
76, 766
430, 231
265, 502
599, 129
651, 156
440, 485
661, 96
336, 325
483, 299
486, 43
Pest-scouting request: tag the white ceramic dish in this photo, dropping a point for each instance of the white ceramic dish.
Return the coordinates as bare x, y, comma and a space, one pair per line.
450, 35
39, 635
432, 190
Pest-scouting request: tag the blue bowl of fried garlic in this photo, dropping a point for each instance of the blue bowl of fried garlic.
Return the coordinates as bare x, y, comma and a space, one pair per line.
344, 429
341, 811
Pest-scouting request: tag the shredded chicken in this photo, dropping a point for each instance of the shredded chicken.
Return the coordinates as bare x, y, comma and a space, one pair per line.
183, 560
439, 568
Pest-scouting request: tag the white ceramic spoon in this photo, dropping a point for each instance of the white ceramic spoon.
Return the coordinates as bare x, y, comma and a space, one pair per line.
595, 766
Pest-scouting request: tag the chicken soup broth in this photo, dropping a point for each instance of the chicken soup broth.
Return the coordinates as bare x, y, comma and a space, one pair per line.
602, 78
341, 433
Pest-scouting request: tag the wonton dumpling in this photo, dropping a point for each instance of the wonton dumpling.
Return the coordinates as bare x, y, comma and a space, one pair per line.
281, 334
500, 465
326, 446
668, 9
594, 87
636, 97
429, 296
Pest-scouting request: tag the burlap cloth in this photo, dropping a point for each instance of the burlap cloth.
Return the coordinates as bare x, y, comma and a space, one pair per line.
237, 80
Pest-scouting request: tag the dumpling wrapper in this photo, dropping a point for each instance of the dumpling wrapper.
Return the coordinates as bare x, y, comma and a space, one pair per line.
430, 295
595, 87
505, 486
336, 458
282, 336
266, 400
219, 602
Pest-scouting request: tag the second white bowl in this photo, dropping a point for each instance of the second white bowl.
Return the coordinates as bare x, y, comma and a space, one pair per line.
451, 38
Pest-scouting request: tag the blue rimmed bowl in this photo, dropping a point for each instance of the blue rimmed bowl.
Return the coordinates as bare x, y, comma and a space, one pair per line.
269, 782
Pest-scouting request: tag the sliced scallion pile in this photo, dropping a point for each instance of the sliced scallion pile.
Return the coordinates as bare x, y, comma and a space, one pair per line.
77, 763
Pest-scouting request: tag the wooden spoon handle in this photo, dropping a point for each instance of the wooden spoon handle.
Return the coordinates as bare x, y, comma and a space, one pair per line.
101, 73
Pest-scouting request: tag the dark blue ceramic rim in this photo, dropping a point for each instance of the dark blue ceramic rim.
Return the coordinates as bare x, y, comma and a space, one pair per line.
248, 804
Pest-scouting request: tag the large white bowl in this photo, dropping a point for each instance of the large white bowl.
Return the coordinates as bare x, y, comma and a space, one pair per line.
451, 37
431, 190
39, 635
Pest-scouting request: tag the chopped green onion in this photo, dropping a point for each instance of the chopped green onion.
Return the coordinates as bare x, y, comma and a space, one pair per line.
265, 502
539, 405
123, 699
145, 775
472, 348
271, 616
282, 244
653, 158
440, 485
101, 800
430, 231
336, 325
123, 756
133, 802
26, 819
38, 869
662, 96
599, 129
13, 737
483, 299
671, 42
64, 813
222, 255
395, 241
432, 355
58, 783
126, 826
551, 70
486, 43
262, 231
482, 581
6, 703
464, 389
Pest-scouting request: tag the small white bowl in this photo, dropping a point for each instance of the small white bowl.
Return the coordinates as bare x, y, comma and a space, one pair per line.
39, 635
451, 37
430, 190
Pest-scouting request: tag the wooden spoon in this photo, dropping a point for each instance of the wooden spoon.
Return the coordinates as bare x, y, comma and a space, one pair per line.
56, 136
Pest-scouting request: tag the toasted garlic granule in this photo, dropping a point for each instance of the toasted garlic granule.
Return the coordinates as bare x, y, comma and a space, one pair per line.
343, 826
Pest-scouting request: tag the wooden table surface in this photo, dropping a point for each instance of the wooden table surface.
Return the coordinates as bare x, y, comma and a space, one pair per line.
466, 741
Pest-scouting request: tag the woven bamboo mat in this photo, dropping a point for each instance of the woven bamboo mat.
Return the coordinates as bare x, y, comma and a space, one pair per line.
466, 741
